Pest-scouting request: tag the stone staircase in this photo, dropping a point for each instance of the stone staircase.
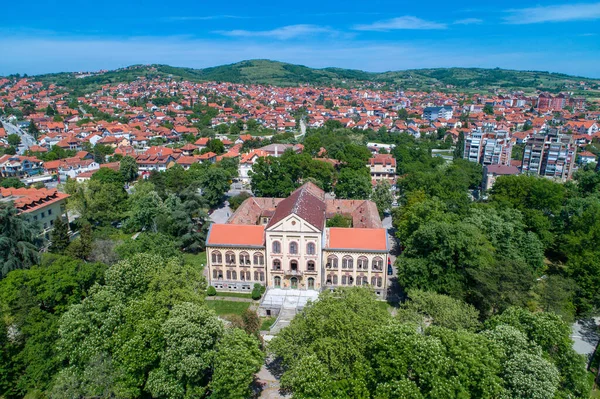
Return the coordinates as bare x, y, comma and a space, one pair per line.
283, 320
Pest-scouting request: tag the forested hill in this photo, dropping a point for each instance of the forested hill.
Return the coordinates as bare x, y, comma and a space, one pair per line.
282, 74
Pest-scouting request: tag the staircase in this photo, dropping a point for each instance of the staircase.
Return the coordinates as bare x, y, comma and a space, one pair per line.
283, 320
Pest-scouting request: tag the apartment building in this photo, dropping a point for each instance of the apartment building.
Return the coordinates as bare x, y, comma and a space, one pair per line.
383, 167
494, 148
550, 155
433, 113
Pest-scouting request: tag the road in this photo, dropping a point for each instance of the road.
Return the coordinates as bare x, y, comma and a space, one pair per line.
26, 139
585, 336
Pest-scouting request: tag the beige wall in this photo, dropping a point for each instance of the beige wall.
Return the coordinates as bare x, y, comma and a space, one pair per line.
294, 229
223, 266
355, 272
45, 216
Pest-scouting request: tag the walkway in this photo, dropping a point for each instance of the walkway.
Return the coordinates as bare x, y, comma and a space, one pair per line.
288, 299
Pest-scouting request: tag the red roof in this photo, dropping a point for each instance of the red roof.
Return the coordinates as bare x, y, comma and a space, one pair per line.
357, 239
242, 235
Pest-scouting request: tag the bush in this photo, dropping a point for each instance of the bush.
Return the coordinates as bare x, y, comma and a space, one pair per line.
257, 291
211, 291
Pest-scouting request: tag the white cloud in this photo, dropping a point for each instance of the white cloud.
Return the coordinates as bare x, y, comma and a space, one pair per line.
283, 33
558, 13
406, 22
469, 21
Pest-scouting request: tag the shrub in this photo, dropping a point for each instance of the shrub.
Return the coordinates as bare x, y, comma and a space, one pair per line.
211, 291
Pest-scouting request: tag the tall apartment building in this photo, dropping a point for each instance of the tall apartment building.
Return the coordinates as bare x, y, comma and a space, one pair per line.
433, 113
494, 148
550, 155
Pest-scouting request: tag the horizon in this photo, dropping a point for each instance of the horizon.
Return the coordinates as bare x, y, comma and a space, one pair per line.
303, 65
558, 36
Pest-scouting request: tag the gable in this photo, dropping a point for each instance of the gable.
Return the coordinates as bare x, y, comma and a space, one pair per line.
293, 223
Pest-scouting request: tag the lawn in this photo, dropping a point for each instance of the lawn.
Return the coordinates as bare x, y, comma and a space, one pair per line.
267, 322
223, 308
235, 294
196, 260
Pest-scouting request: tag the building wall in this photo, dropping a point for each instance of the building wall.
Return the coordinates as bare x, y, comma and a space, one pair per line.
380, 282
46, 215
217, 270
294, 230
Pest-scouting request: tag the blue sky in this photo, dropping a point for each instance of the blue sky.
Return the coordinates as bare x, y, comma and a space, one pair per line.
40, 36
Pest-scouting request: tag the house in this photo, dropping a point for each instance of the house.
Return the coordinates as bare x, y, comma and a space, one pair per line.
285, 244
585, 157
42, 206
277, 150
433, 113
383, 167
19, 166
491, 173
246, 162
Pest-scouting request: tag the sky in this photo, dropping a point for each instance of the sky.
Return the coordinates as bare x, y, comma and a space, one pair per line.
41, 36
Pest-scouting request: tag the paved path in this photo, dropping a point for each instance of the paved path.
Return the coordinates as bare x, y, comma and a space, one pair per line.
585, 335
26, 139
228, 298
222, 214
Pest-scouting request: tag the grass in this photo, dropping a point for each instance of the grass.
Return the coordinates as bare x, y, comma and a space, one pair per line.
196, 260
223, 308
234, 294
267, 322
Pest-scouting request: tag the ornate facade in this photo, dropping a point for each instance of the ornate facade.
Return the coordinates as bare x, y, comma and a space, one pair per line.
284, 243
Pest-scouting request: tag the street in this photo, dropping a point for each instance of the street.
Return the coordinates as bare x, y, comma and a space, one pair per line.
26, 139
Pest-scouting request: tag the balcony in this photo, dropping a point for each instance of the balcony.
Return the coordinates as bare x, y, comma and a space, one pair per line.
293, 273
314, 271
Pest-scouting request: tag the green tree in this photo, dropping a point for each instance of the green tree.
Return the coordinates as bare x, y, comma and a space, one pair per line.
339, 220
353, 184
128, 168
237, 200
13, 139
214, 183
81, 248
144, 206
59, 236
107, 175
19, 240
12, 182
382, 196
270, 178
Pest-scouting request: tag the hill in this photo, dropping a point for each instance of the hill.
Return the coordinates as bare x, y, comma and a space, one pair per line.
283, 74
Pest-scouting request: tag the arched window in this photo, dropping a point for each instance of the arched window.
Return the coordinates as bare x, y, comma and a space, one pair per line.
255, 276
347, 262
310, 266
311, 283
247, 276
242, 276
276, 264
332, 262
230, 258
214, 273
259, 259
344, 279
244, 258
363, 263
276, 247
233, 275
293, 247
335, 279
329, 280
373, 281
294, 265
310, 248
217, 258
377, 263
262, 276
379, 281
228, 274
350, 280
277, 282
220, 275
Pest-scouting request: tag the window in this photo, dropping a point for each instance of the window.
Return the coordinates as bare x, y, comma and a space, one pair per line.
311, 283
294, 265
45, 225
262, 276
335, 279
277, 282
310, 248
214, 274
363, 263
276, 264
350, 280
377, 263
276, 247
233, 275
344, 279
217, 257
43, 215
293, 247
228, 274
244, 258
242, 276
379, 281
255, 276
347, 262
259, 259
247, 276
230, 258
310, 266
35, 217
329, 280
49, 212
332, 262
373, 281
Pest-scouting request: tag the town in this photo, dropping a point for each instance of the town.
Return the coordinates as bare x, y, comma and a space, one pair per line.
271, 216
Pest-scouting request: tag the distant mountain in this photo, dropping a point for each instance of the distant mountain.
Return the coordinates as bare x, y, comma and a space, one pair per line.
283, 74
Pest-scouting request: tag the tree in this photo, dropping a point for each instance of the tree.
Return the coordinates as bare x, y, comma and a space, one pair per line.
459, 149
144, 206
12, 182
270, 178
382, 196
128, 168
214, 183
107, 175
353, 184
237, 200
150, 243
59, 236
81, 248
19, 240
488, 109
237, 359
32, 302
216, 146
14, 139
339, 220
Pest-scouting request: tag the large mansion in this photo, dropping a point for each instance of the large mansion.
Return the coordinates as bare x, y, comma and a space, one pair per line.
284, 243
